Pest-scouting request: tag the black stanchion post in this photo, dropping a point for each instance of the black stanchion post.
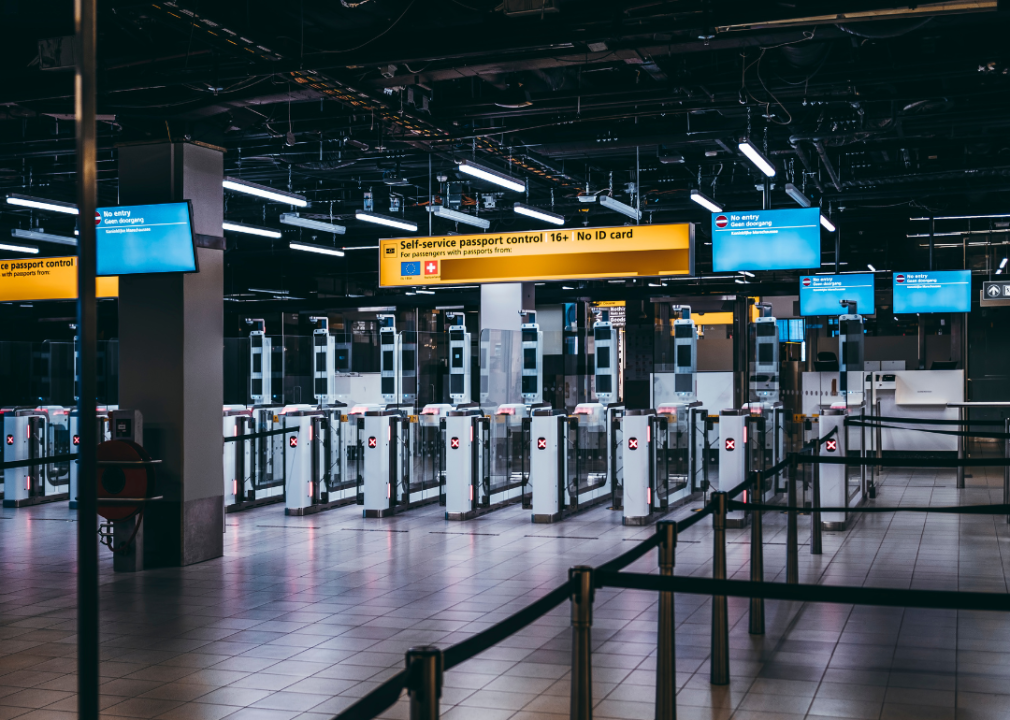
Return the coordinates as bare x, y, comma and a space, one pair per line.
815, 514
582, 623
666, 655
757, 567
425, 684
720, 615
961, 442
1006, 469
792, 539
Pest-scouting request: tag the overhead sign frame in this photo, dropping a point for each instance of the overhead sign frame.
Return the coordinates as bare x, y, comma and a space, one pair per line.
526, 256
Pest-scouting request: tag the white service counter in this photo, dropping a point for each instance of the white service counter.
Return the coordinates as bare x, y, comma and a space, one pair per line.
901, 393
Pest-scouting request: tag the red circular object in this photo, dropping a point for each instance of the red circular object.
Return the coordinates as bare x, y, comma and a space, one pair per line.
899, 278
721, 221
806, 282
98, 218
122, 481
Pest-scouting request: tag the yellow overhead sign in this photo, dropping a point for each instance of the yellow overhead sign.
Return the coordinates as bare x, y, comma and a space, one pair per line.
51, 278
638, 250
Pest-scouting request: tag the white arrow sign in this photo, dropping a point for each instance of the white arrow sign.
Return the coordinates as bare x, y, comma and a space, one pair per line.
993, 291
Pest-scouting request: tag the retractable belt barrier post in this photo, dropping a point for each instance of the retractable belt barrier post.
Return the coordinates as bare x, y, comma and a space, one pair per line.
792, 540
815, 515
720, 617
425, 665
757, 569
582, 623
666, 655
1006, 469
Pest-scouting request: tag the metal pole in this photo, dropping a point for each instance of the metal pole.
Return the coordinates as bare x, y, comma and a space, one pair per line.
582, 623
815, 514
862, 450
87, 320
961, 440
1006, 469
880, 440
757, 567
425, 686
666, 655
792, 540
720, 619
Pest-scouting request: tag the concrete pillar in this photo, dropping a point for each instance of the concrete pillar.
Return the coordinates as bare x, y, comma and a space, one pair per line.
171, 340
500, 304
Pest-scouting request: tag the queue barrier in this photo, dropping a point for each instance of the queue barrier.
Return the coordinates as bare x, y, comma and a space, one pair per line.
422, 677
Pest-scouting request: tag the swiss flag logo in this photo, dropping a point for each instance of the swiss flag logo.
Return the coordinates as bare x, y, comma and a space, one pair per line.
899, 278
721, 221
431, 267
806, 282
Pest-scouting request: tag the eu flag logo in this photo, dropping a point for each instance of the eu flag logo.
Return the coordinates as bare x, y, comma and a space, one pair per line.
410, 268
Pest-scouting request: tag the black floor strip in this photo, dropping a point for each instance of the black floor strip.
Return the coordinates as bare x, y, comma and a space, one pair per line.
373, 530
562, 537
442, 532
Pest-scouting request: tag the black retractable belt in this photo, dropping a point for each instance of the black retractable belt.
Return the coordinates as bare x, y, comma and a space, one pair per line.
265, 433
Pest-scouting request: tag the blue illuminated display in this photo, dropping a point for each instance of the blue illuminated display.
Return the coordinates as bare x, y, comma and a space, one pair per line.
822, 294
137, 239
766, 240
932, 292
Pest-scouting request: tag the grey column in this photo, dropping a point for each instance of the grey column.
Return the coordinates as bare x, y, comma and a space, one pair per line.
171, 340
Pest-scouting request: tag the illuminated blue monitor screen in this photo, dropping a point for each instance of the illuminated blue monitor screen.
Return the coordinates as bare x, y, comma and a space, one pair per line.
142, 239
766, 240
822, 294
932, 292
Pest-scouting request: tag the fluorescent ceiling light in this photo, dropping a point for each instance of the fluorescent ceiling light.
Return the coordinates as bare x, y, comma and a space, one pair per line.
43, 236
999, 272
299, 221
492, 176
567, 287
905, 11
41, 204
320, 249
617, 206
757, 157
828, 225
796, 194
11, 247
264, 191
538, 214
419, 291
870, 265
269, 292
705, 201
385, 220
738, 281
1002, 263
459, 217
748, 274
250, 229
362, 247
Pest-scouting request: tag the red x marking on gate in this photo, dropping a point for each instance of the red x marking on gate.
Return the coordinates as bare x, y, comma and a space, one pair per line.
454, 443
632, 443
541, 443
77, 440
10, 439
372, 442
730, 444
831, 445
293, 441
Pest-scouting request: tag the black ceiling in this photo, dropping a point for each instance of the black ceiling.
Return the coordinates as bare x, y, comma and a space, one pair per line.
879, 121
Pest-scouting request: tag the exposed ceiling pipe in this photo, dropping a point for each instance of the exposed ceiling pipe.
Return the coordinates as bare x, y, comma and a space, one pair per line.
827, 165
802, 155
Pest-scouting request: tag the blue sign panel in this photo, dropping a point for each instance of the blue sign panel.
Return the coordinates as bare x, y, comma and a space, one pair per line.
766, 240
137, 239
822, 294
932, 292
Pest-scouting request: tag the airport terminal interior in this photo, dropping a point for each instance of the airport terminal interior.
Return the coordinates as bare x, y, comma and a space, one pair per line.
504, 360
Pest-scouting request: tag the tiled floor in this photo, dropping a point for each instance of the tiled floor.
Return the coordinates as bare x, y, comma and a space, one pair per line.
303, 615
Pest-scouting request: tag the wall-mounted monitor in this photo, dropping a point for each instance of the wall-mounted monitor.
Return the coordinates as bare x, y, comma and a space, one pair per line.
145, 239
932, 292
822, 294
766, 240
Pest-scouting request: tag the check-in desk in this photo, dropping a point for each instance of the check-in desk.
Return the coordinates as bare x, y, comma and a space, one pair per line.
893, 393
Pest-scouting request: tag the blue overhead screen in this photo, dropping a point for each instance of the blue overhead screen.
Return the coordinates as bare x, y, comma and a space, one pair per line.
822, 294
932, 292
766, 240
138, 239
